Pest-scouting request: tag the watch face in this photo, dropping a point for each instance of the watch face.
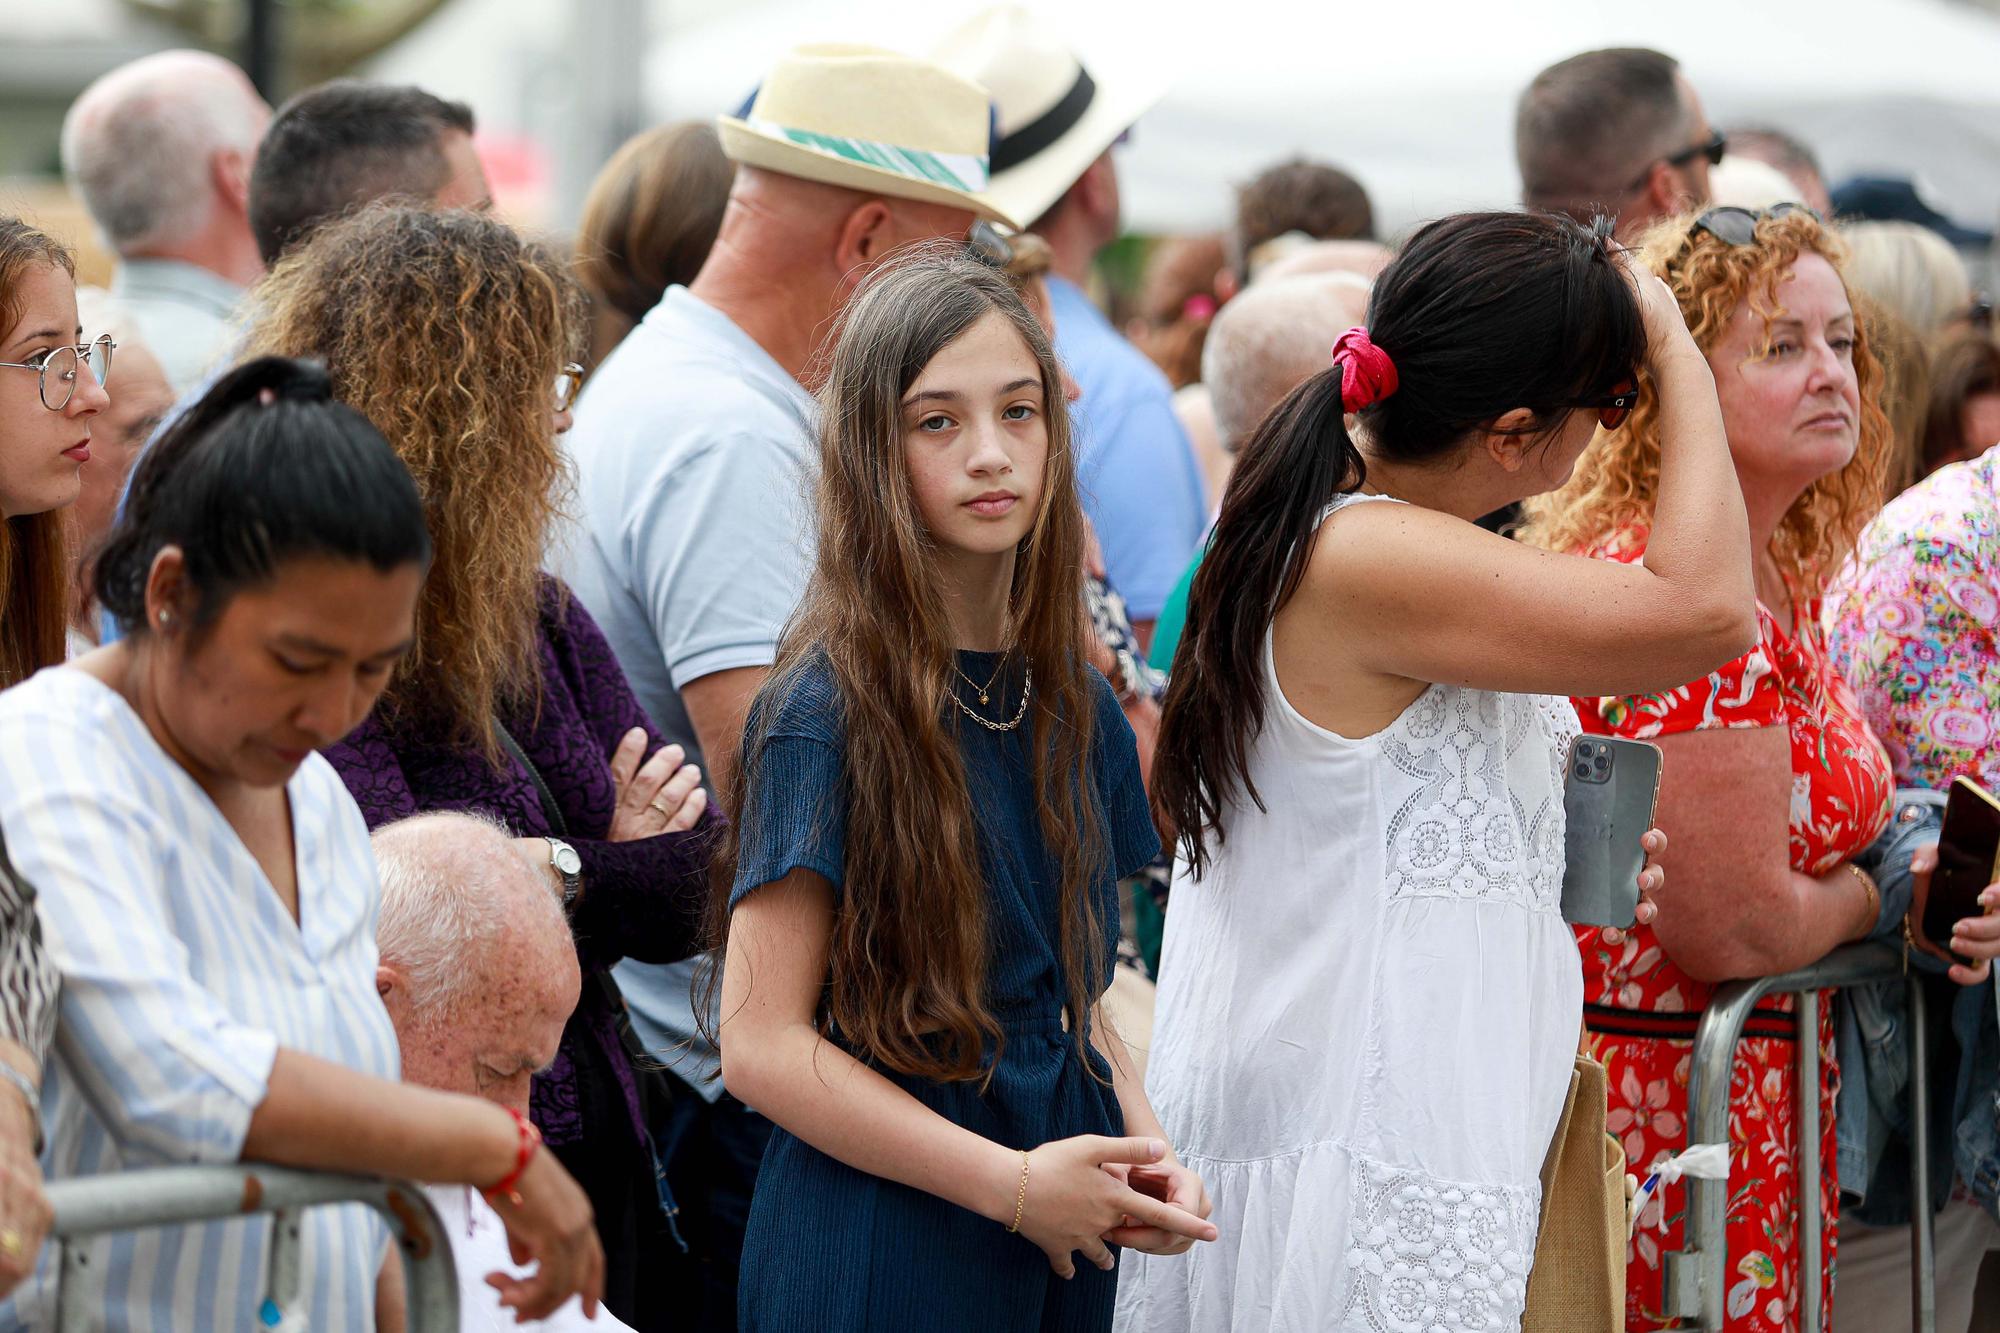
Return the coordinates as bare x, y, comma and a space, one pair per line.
566, 860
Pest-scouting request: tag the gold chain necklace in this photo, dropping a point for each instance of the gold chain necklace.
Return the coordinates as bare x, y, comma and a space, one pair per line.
1027, 689
998, 667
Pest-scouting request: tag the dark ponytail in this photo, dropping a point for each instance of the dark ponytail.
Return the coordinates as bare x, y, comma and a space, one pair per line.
263, 469
1482, 313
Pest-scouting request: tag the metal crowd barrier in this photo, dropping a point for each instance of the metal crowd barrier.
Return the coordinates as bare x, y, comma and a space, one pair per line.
131, 1200
1697, 1275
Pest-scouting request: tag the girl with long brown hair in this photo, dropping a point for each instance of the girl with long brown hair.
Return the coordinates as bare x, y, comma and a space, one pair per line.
48, 396
936, 798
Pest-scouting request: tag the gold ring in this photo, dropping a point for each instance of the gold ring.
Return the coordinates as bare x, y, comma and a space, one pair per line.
10, 1243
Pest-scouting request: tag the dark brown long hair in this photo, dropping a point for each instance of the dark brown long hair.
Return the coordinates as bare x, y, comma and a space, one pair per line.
1962, 369
1482, 313
906, 985
648, 223
34, 548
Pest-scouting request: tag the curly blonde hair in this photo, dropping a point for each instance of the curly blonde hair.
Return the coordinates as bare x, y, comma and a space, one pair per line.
447, 330
1611, 493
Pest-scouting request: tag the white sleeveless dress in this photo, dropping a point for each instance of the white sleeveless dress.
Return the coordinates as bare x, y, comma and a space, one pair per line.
1367, 1012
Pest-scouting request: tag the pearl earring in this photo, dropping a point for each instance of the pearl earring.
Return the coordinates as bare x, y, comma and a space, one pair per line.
166, 618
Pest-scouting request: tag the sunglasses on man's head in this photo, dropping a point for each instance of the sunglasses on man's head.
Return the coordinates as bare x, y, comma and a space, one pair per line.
1738, 226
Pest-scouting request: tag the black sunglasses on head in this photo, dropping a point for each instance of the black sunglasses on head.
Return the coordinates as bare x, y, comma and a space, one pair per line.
1738, 226
1712, 148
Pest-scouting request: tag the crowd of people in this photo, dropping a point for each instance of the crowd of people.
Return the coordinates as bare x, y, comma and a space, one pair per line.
799, 771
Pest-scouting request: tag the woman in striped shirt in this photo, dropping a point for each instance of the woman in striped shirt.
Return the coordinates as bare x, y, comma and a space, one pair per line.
207, 888
46, 410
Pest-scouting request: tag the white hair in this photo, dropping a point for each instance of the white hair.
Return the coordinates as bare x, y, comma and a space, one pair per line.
137, 144
453, 886
1271, 338
1910, 269
1747, 182
100, 312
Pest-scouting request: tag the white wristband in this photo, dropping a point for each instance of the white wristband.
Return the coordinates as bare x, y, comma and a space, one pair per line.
29, 1094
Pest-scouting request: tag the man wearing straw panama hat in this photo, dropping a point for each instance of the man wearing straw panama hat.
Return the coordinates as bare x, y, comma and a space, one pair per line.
1052, 167
691, 446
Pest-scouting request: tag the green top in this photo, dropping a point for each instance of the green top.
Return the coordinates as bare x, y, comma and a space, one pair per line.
1173, 616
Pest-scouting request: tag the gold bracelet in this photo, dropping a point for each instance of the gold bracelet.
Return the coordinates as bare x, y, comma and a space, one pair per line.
1874, 896
1020, 1198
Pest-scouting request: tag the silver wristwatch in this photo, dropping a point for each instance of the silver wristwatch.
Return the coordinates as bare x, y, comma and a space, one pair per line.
567, 864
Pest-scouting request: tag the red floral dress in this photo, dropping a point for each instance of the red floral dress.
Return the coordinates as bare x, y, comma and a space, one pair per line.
1641, 1010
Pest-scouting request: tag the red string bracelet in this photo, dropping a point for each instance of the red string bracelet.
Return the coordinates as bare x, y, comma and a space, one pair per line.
509, 1186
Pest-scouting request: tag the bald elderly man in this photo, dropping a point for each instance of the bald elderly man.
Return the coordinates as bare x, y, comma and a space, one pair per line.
160, 152
1273, 337
479, 975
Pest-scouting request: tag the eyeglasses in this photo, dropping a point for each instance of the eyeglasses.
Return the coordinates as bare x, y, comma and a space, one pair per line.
1713, 148
988, 245
1612, 410
58, 366
1738, 226
569, 383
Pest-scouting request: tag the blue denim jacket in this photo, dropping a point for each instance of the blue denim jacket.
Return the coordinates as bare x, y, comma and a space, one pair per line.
1873, 1106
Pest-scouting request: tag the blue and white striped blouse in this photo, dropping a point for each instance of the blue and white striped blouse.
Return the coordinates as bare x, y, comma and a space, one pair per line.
182, 974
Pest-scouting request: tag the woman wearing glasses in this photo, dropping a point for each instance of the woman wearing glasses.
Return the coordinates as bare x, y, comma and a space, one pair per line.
1773, 787
46, 407
51, 387
1368, 1000
454, 334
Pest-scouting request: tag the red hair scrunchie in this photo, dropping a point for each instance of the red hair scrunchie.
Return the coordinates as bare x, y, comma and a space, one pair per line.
1367, 375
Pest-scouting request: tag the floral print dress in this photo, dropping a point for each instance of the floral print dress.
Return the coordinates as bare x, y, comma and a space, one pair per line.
1915, 626
1641, 1010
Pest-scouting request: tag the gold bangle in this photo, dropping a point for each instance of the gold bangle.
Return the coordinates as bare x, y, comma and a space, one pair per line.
1874, 896
1020, 1197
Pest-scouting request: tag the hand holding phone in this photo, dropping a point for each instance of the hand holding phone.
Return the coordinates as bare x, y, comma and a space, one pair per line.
1968, 859
1951, 885
1610, 788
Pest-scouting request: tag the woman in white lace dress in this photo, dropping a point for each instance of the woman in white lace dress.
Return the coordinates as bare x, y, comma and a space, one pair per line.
1368, 997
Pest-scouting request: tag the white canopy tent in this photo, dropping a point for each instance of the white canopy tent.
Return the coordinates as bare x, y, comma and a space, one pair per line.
1416, 97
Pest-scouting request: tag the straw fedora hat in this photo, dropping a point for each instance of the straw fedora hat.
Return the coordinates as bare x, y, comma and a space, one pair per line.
870, 120
1056, 118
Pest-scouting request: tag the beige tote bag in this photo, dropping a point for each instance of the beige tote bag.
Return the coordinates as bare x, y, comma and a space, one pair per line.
1578, 1282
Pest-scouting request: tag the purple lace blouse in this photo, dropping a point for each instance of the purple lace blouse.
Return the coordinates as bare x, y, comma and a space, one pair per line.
642, 899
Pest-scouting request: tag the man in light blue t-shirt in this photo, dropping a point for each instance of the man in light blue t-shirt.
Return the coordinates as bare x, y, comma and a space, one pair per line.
693, 448
1052, 164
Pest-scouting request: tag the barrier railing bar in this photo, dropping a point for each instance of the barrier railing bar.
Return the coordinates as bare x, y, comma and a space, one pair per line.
130, 1201
1696, 1276
1923, 1254
1808, 1130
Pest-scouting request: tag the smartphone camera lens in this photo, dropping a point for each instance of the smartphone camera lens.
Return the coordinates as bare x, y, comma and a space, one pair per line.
1583, 770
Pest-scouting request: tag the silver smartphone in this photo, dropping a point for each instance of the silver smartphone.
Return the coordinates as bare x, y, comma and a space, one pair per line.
1610, 786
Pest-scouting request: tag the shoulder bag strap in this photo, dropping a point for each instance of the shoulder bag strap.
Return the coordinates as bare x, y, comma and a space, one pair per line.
550, 811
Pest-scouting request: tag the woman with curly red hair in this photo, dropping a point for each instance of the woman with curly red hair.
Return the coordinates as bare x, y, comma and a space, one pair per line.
1772, 786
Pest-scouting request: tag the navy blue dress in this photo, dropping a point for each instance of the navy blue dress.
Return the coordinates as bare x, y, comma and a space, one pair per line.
830, 1248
